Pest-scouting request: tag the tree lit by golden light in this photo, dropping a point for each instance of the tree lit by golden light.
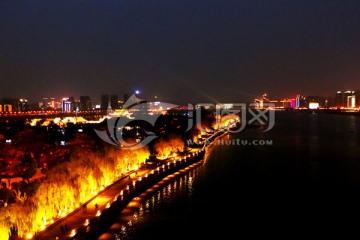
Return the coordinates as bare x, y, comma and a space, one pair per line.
66, 187
165, 147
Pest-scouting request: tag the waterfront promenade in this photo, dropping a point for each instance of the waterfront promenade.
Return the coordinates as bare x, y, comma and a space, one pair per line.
90, 213
64, 227
98, 211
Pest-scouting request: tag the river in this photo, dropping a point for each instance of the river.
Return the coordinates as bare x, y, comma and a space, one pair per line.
304, 177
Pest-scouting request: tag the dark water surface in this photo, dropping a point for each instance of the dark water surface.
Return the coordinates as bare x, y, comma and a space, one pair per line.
306, 180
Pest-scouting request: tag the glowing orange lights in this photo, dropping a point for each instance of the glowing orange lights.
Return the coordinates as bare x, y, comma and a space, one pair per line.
167, 147
70, 184
98, 213
67, 186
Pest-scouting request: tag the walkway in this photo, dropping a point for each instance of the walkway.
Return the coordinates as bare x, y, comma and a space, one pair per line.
65, 227
62, 228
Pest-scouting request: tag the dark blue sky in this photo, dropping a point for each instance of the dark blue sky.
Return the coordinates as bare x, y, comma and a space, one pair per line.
180, 50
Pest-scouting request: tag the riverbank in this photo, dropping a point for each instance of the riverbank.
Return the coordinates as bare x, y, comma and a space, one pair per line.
89, 221
145, 180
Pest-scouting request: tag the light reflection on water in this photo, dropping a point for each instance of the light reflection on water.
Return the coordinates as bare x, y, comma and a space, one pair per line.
148, 203
311, 172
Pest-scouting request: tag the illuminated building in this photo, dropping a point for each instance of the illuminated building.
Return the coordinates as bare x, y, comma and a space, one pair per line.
350, 103
300, 101
22, 105
48, 104
292, 103
312, 101
313, 105
5, 108
66, 105
16, 105
284, 103
8, 108
297, 101
259, 103
345, 99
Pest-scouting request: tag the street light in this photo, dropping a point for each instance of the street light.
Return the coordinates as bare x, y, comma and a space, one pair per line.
76, 112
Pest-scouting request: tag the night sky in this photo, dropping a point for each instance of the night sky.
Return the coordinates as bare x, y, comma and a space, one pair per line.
183, 51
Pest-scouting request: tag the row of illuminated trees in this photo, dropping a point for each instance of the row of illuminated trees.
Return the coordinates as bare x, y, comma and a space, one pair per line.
70, 184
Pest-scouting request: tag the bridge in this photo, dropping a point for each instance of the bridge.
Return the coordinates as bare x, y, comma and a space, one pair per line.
53, 114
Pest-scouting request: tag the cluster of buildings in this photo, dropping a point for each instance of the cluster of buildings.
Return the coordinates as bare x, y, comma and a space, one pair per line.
14, 105
108, 102
341, 100
66, 104
47, 104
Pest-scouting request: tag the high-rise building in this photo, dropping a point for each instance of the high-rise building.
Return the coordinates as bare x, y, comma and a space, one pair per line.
43, 103
104, 102
351, 103
357, 98
22, 105
114, 101
48, 104
85, 103
346, 99
67, 105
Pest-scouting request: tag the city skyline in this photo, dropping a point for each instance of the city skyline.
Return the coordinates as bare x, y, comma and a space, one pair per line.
116, 100
181, 51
